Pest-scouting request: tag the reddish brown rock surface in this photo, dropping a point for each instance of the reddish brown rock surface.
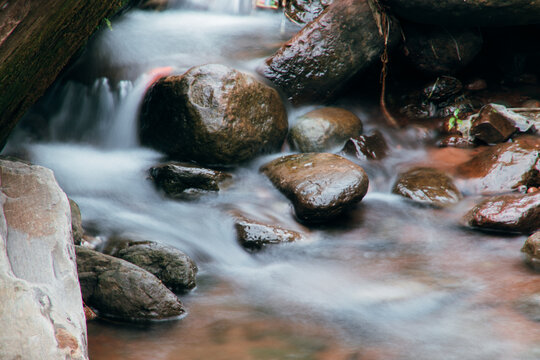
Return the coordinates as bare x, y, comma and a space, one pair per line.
491, 126
367, 147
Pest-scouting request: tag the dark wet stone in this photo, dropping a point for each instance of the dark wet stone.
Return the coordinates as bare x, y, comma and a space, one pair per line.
304, 11
213, 114
184, 180
511, 213
530, 307
321, 186
367, 147
491, 125
76, 222
454, 140
427, 186
434, 50
443, 88
324, 129
502, 167
327, 52
173, 267
531, 251
119, 289
254, 235
474, 13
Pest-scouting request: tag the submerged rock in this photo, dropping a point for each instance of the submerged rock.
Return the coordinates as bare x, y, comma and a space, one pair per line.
41, 312
304, 11
213, 114
321, 186
436, 50
173, 267
512, 213
531, 251
327, 52
491, 125
254, 235
472, 13
427, 186
367, 147
119, 289
530, 306
184, 180
502, 167
324, 129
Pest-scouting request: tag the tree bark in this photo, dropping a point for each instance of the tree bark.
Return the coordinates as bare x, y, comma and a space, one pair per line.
37, 39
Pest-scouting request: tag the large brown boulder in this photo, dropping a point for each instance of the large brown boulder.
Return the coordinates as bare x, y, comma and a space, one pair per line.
321, 186
119, 289
327, 52
502, 167
324, 129
37, 39
41, 310
512, 213
213, 114
468, 13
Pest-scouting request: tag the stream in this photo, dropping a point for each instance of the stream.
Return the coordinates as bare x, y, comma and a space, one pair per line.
392, 280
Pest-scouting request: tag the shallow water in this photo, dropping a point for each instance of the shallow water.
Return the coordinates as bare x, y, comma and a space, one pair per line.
390, 281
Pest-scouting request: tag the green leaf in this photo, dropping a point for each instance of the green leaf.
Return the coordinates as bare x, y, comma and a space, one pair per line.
108, 23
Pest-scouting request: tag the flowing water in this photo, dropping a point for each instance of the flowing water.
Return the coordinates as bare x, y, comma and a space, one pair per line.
390, 281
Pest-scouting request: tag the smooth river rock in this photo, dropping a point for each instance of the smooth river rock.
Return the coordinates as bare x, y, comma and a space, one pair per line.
470, 13
76, 222
173, 267
327, 52
518, 213
184, 180
427, 186
214, 115
491, 125
119, 289
41, 310
254, 235
502, 167
321, 186
367, 147
324, 129
531, 251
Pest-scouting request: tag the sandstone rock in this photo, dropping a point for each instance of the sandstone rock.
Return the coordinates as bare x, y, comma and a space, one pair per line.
502, 167
327, 52
324, 129
304, 11
367, 147
254, 235
41, 311
213, 114
512, 213
321, 186
436, 50
119, 289
76, 222
491, 126
184, 180
468, 13
174, 268
531, 251
427, 186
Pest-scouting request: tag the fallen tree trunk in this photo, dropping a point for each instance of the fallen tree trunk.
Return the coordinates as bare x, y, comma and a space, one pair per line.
37, 39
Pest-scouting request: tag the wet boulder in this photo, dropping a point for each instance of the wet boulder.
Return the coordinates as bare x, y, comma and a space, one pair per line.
491, 125
76, 222
254, 235
321, 186
324, 129
531, 251
174, 268
313, 65
367, 147
467, 13
184, 180
502, 167
213, 114
304, 11
435, 50
518, 213
41, 312
119, 289
427, 186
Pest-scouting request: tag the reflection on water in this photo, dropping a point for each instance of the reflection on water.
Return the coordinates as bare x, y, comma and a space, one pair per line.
389, 281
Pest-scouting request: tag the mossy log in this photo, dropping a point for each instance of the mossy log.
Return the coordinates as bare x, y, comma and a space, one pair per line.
37, 39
